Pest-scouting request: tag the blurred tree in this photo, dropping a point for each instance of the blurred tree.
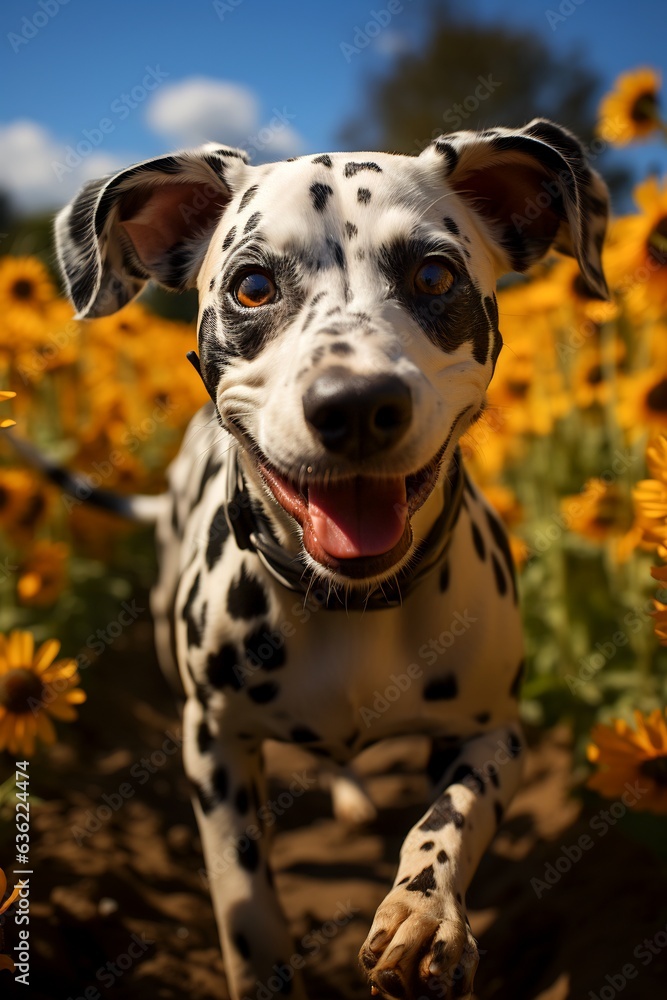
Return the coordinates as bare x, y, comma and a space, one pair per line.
468, 74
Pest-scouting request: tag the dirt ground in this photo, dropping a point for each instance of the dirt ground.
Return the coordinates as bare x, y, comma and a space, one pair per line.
135, 881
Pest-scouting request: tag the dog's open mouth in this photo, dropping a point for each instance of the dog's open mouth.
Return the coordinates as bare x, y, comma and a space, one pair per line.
358, 526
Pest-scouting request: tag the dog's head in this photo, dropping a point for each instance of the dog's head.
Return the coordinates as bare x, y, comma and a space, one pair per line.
348, 324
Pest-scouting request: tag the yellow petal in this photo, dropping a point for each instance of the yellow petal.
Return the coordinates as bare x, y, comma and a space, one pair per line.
3, 883
21, 646
76, 697
45, 655
6, 963
45, 729
14, 895
59, 709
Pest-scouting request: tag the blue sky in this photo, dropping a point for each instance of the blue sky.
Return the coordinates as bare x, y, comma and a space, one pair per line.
246, 65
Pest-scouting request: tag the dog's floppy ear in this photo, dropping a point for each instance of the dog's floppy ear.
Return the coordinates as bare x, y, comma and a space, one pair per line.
152, 220
534, 189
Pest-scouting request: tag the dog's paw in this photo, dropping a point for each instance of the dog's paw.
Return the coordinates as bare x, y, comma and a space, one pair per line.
419, 948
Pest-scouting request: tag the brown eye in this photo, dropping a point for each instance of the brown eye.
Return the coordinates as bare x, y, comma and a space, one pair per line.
255, 289
433, 278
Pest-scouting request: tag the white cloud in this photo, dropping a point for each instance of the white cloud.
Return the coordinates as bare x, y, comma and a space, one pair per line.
199, 109
38, 172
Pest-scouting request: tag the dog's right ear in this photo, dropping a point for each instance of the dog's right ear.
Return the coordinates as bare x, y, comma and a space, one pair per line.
152, 220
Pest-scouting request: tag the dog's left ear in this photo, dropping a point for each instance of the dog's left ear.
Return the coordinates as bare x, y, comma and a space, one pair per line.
534, 189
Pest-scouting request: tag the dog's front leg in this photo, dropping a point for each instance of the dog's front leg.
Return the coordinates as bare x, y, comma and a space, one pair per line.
235, 823
420, 943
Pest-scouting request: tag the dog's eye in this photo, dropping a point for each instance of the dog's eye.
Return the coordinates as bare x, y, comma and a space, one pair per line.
255, 289
433, 278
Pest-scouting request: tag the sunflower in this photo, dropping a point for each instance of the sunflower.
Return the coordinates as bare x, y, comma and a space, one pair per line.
33, 688
637, 756
42, 574
632, 110
643, 401
5, 961
4, 395
23, 502
26, 291
636, 262
598, 513
591, 383
650, 500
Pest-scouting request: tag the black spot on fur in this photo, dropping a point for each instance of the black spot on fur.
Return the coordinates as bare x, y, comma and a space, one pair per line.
248, 196
444, 578
465, 775
404, 880
500, 538
449, 152
514, 745
218, 534
428, 845
261, 652
247, 854
424, 882
492, 772
501, 582
352, 168
449, 224
518, 678
242, 800
351, 230
441, 688
194, 631
360, 253
263, 693
442, 814
478, 540
229, 238
221, 668
324, 159
442, 857
204, 738
341, 347
302, 734
499, 812
241, 944
338, 253
482, 718
246, 597
221, 783
211, 284
363, 196
252, 222
320, 194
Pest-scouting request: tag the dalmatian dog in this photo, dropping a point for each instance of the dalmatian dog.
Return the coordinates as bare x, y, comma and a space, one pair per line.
321, 540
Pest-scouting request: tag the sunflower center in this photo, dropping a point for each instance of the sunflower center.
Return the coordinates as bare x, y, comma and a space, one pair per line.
645, 107
595, 375
656, 769
657, 241
656, 398
23, 289
18, 688
518, 388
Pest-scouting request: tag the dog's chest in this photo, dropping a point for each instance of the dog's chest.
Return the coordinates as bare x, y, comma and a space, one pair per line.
269, 663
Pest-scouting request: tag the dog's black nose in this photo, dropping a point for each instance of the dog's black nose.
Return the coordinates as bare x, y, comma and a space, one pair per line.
357, 415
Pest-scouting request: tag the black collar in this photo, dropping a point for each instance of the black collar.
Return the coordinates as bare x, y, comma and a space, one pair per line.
252, 531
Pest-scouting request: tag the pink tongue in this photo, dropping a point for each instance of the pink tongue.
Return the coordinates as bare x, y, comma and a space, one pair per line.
360, 517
